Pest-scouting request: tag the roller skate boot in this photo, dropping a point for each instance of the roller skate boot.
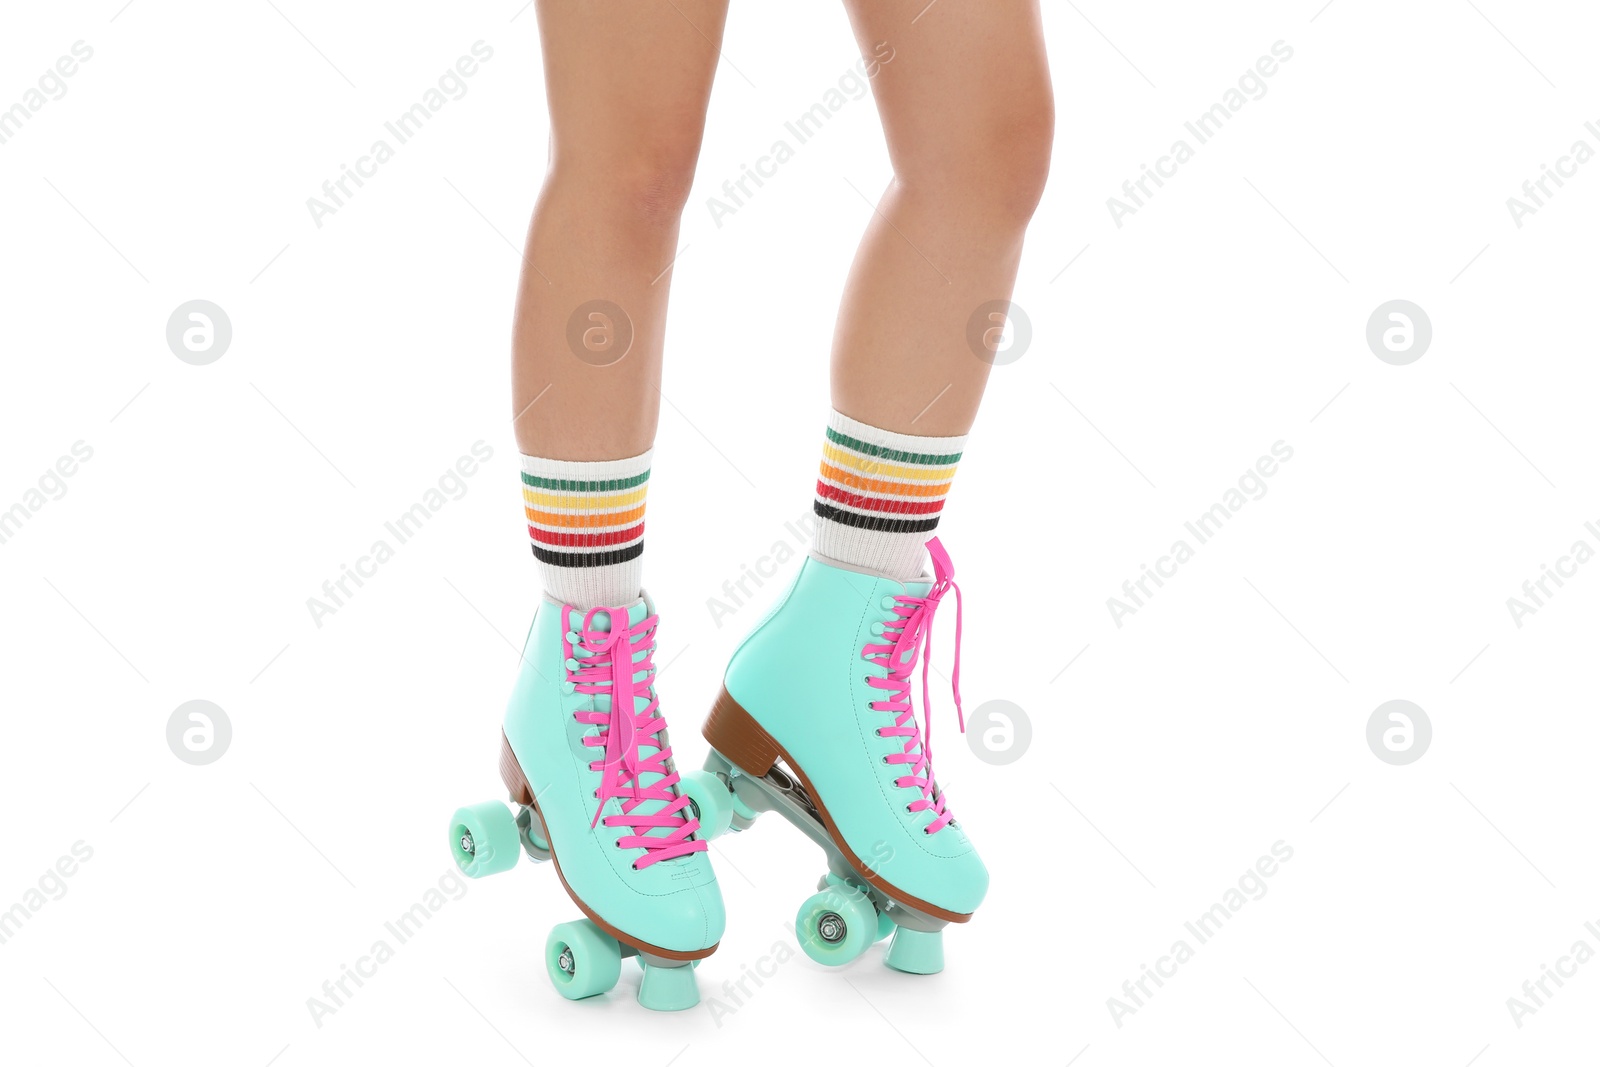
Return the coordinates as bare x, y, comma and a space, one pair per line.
815, 721
586, 757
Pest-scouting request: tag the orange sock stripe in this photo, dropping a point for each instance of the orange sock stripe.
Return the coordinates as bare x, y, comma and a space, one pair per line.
875, 485
585, 519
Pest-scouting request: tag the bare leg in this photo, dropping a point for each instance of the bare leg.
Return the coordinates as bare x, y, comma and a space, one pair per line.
628, 85
968, 112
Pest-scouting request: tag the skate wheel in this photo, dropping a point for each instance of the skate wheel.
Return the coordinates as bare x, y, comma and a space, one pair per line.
885, 924
484, 839
836, 925
582, 959
713, 804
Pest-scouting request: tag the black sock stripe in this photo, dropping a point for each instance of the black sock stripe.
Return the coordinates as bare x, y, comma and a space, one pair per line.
878, 523
588, 559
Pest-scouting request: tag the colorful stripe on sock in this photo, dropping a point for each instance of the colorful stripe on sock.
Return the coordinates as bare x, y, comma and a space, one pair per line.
578, 522
884, 487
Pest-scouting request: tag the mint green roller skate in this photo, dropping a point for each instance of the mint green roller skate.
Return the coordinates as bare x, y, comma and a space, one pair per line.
586, 757
815, 722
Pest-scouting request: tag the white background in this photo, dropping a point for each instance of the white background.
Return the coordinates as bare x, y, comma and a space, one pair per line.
1226, 715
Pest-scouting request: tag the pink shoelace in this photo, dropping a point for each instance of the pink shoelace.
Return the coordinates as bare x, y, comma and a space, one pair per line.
912, 632
609, 670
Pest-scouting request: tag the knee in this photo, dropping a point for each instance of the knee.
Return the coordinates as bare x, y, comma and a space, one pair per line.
995, 164
643, 183
654, 185
1020, 156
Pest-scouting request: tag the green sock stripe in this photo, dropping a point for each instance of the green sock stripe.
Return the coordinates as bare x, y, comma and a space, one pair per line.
568, 485
893, 454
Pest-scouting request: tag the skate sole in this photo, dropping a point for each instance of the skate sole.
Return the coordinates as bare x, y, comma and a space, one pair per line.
522, 793
735, 735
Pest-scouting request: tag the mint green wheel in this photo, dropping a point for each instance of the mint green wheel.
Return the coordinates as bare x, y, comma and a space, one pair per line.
885, 924
713, 804
582, 959
836, 925
484, 839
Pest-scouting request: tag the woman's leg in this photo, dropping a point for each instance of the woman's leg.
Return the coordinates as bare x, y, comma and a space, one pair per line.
584, 750
825, 681
628, 85
967, 108
969, 116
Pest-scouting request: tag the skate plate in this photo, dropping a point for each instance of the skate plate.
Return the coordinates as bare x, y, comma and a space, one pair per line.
917, 945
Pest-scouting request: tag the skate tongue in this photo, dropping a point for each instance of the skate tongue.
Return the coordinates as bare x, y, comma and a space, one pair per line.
632, 769
916, 610
916, 636
650, 805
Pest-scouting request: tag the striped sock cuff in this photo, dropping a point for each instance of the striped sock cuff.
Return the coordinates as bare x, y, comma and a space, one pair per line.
879, 494
586, 523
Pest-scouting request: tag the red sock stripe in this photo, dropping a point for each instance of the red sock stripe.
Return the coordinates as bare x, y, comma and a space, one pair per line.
568, 539
878, 503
